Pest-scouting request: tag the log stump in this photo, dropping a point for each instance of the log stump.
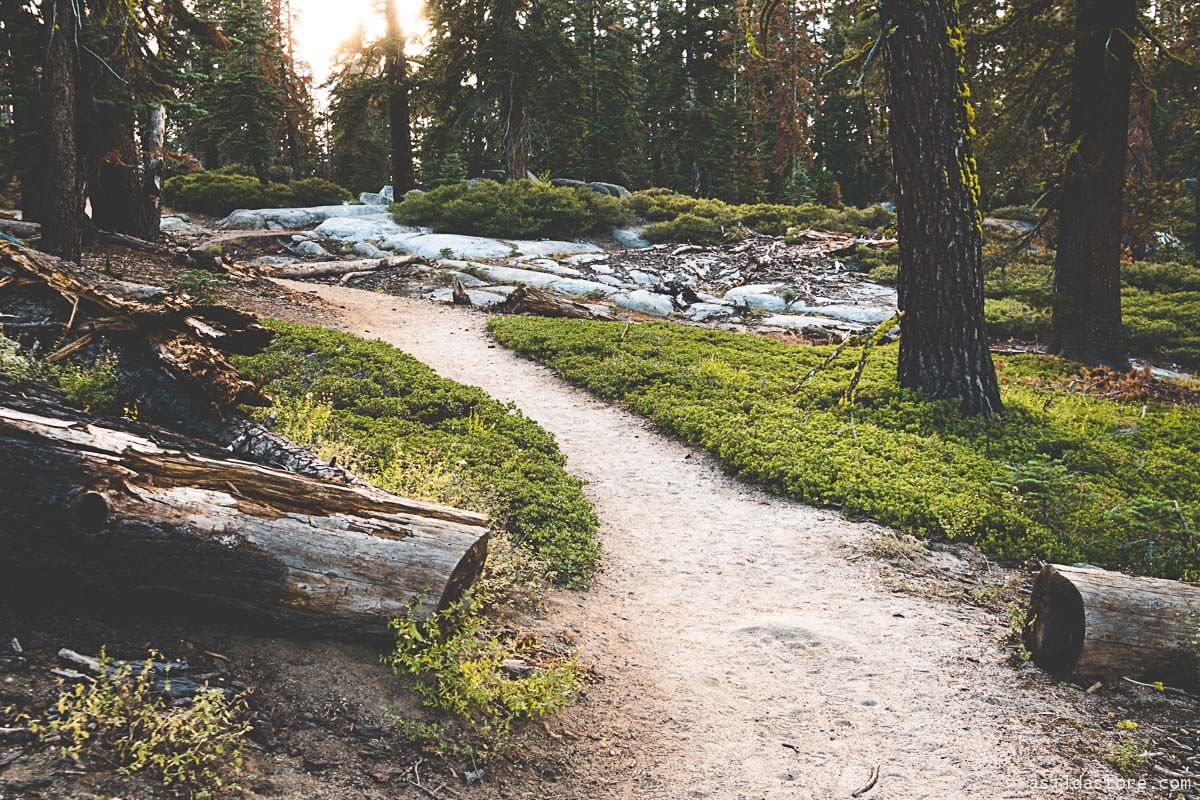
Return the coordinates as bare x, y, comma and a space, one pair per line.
1091, 623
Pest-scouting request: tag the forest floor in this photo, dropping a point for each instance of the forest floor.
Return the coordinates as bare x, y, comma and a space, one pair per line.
750, 647
741, 645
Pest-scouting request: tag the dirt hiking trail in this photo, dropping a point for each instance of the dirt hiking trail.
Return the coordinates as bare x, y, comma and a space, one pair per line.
741, 652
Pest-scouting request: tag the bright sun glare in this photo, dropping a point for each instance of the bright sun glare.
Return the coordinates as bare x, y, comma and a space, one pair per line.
322, 26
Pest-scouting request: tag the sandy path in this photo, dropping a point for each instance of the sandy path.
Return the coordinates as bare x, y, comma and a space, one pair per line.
742, 654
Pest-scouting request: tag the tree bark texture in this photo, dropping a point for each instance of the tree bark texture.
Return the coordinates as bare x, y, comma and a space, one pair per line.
1087, 266
1091, 623
943, 344
61, 208
117, 510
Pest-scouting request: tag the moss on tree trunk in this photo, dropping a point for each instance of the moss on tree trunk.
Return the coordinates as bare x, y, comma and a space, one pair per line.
943, 345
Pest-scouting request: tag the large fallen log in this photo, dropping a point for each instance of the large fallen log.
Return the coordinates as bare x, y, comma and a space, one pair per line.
113, 508
325, 269
1091, 623
542, 303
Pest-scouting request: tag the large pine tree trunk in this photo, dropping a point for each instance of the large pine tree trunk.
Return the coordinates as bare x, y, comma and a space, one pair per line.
61, 208
399, 117
1087, 267
943, 345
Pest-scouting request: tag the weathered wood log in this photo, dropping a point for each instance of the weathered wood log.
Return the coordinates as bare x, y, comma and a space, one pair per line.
19, 228
123, 509
1089, 623
527, 300
325, 269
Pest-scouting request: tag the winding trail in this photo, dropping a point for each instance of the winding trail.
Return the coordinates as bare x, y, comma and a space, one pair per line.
741, 653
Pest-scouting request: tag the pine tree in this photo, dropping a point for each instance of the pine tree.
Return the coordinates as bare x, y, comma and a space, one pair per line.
1087, 266
943, 344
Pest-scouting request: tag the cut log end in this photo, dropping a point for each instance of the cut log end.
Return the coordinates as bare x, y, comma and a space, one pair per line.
1088, 623
1057, 625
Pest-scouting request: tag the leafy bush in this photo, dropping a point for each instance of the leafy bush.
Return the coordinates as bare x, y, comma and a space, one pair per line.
1060, 476
678, 217
516, 209
219, 193
90, 386
404, 427
460, 667
1009, 318
688, 228
120, 717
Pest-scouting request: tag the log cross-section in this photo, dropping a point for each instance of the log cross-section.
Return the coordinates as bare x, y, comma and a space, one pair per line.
1089, 623
125, 511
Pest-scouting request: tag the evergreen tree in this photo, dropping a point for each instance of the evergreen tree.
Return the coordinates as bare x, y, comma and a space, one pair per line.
943, 345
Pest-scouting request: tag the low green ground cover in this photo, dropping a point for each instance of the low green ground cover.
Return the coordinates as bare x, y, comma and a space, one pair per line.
1160, 306
683, 218
1061, 476
404, 427
397, 423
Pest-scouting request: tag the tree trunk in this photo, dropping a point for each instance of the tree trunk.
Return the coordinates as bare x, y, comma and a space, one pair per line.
943, 344
131, 511
1196, 216
1092, 623
399, 117
154, 136
62, 206
1087, 267
516, 131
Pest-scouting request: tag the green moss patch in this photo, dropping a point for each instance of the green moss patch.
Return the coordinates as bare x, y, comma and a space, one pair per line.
1060, 476
404, 427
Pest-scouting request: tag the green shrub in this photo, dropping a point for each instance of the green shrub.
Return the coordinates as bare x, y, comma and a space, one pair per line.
406, 428
678, 217
90, 386
688, 228
516, 209
459, 667
120, 718
219, 193
1060, 476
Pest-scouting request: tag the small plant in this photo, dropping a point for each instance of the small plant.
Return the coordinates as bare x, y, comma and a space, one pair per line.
1127, 756
198, 284
121, 717
446, 253
488, 681
92, 387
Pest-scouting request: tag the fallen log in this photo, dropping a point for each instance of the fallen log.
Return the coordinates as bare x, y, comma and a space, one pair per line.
527, 300
325, 269
20, 229
113, 508
1090, 623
